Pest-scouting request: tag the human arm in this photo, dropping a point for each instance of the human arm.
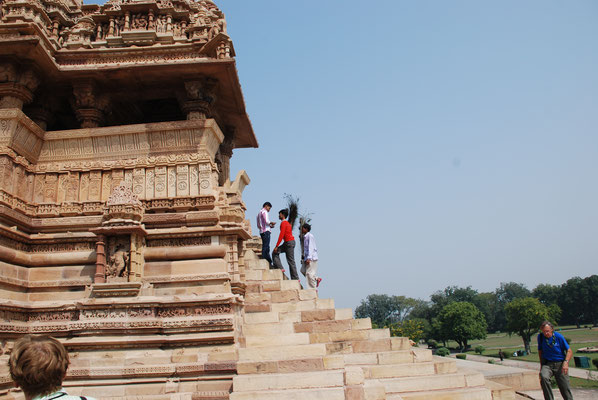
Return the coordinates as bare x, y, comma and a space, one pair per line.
283, 228
310, 248
568, 356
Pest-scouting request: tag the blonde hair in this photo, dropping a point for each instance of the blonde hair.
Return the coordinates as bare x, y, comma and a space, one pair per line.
38, 364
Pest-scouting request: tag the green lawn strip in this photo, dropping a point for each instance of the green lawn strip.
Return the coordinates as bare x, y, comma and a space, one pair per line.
581, 337
579, 383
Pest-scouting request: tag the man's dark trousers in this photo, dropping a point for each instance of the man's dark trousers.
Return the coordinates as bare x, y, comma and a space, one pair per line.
550, 369
289, 249
266, 247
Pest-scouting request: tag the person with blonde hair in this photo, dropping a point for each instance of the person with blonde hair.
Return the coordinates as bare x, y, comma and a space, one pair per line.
38, 366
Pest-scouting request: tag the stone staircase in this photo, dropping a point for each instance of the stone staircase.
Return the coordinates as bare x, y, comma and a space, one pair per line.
294, 345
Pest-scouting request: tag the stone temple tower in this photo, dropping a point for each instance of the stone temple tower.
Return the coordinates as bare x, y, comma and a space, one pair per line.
123, 234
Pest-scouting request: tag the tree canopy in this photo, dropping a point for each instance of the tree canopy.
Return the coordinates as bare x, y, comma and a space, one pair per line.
384, 310
462, 321
524, 317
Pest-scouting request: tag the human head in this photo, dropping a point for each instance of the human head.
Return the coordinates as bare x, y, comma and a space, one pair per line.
267, 205
38, 364
283, 214
547, 329
306, 227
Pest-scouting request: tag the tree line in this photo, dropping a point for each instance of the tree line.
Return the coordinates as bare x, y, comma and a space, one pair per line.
463, 313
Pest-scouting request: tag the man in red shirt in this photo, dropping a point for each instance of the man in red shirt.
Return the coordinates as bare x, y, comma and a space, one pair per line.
288, 247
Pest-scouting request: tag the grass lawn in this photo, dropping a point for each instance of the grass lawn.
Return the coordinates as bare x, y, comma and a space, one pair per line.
583, 383
581, 337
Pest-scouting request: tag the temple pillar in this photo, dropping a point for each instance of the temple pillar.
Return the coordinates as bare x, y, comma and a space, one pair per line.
100, 275
17, 85
89, 105
225, 152
200, 96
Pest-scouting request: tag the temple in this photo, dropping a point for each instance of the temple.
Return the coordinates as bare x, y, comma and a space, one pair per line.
123, 233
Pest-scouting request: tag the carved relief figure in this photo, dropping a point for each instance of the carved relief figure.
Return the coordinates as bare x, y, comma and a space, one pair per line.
118, 265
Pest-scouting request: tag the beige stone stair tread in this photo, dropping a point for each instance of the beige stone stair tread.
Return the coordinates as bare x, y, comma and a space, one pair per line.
282, 352
433, 382
303, 394
500, 392
480, 393
277, 340
145, 340
409, 369
297, 380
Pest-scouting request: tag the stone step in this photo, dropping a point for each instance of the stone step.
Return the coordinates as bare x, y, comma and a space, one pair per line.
500, 392
277, 340
304, 305
305, 394
297, 380
413, 355
261, 317
412, 369
288, 366
265, 329
282, 352
479, 393
436, 382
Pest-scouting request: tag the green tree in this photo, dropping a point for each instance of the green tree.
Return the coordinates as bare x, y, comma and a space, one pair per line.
524, 317
547, 294
411, 328
507, 292
486, 303
384, 310
578, 302
462, 321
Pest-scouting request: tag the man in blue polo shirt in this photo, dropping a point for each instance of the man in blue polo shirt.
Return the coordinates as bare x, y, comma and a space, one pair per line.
554, 353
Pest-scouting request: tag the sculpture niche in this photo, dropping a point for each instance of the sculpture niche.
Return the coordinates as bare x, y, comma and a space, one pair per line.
123, 236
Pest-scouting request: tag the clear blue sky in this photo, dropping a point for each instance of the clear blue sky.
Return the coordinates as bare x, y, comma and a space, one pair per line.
435, 143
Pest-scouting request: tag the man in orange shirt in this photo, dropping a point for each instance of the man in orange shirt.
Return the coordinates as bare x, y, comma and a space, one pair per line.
288, 247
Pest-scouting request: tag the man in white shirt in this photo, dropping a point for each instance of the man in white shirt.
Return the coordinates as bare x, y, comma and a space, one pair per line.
310, 257
264, 225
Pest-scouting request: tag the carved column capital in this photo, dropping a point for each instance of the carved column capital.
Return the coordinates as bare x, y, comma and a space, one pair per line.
89, 105
17, 85
225, 152
200, 96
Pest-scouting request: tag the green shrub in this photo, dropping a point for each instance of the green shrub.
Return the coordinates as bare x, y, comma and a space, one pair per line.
490, 361
432, 344
595, 362
461, 356
442, 351
479, 349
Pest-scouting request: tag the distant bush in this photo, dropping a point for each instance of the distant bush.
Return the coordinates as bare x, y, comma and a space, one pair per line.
433, 344
568, 340
442, 351
461, 356
507, 354
479, 349
595, 362
490, 361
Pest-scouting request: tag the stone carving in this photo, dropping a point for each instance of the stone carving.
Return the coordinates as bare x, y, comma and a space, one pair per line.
119, 262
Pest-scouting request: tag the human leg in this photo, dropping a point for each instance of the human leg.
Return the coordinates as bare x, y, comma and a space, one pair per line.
562, 381
311, 275
289, 249
545, 375
276, 259
266, 247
